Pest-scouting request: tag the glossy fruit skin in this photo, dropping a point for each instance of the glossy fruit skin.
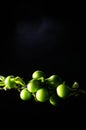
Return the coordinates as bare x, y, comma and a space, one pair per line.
9, 83
25, 94
37, 74
33, 85
62, 90
54, 100
42, 95
54, 80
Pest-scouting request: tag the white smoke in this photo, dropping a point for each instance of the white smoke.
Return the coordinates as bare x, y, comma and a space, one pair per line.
36, 33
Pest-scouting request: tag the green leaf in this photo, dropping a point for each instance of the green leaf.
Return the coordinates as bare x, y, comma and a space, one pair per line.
19, 81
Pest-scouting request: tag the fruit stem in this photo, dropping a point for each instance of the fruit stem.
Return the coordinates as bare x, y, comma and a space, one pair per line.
77, 92
82, 91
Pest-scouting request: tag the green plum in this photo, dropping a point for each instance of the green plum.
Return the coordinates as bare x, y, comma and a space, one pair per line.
42, 95
9, 83
38, 74
25, 94
33, 85
63, 90
54, 80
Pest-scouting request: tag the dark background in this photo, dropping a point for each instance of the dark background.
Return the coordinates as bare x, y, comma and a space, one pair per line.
49, 37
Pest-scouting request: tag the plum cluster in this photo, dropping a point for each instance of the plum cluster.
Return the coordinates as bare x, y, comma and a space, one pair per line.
41, 88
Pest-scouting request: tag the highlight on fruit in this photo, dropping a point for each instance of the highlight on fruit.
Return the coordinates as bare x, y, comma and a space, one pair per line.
42, 88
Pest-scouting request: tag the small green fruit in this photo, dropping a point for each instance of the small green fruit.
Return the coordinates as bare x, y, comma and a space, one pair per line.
54, 80
62, 90
33, 85
9, 83
42, 95
37, 74
25, 94
54, 100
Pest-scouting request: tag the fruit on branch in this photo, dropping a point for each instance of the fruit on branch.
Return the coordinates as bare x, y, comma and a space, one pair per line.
25, 94
54, 100
37, 74
33, 85
63, 90
9, 83
42, 95
54, 80
42, 88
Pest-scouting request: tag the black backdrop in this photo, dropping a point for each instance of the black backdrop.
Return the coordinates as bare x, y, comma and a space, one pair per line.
50, 38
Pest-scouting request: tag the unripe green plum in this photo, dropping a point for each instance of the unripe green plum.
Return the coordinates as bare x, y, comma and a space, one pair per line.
54, 80
62, 90
37, 74
54, 100
9, 83
25, 94
33, 85
42, 95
